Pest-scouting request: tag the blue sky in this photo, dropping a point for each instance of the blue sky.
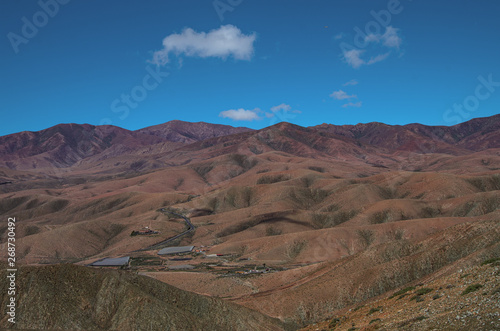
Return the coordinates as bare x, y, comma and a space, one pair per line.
247, 63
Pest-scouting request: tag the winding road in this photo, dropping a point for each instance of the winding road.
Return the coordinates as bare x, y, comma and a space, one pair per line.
166, 241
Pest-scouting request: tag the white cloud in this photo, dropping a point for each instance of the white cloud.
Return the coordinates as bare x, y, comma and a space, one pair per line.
283, 107
353, 58
341, 95
351, 82
352, 104
378, 58
338, 36
390, 38
241, 114
226, 41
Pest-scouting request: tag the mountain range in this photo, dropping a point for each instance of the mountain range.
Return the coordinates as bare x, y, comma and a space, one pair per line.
70, 145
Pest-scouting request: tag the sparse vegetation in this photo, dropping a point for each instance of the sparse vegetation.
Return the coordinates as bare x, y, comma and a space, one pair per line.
318, 169
293, 249
179, 183
271, 179
411, 321
471, 288
366, 236
305, 198
397, 234
423, 291
374, 310
402, 291
273, 231
380, 217
31, 230
328, 220
331, 208
490, 261
429, 212
334, 323
138, 165
203, 169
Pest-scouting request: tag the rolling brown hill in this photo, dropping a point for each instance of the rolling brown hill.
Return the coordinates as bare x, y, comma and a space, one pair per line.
386, 205
68, 297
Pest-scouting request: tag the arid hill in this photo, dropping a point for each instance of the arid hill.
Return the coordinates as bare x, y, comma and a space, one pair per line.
296, 223
68, 297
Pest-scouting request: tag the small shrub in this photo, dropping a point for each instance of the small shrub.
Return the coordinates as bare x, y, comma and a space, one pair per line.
367, 237
490, 261
436, 296
271, 179
318, 169
472, 288
403, 291
334, 323
272, 231
375, 320
331, 208
429, 212
380, 217
411, 321
293, 250
374, 310
423, 291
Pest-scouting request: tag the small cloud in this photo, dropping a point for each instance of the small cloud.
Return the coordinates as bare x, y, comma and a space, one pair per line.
283, 107
390, 38
241, 114
353, 104
351, 82
223, 42
353, 58
341, 95
378, 58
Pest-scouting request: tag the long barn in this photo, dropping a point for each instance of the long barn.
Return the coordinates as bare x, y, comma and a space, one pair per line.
176, 250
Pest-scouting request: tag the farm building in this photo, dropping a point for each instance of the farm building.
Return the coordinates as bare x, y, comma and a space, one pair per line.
112, 262
176, 250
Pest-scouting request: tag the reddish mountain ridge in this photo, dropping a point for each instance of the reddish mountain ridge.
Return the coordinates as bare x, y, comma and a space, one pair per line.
178, 142
474, 135
186, 132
